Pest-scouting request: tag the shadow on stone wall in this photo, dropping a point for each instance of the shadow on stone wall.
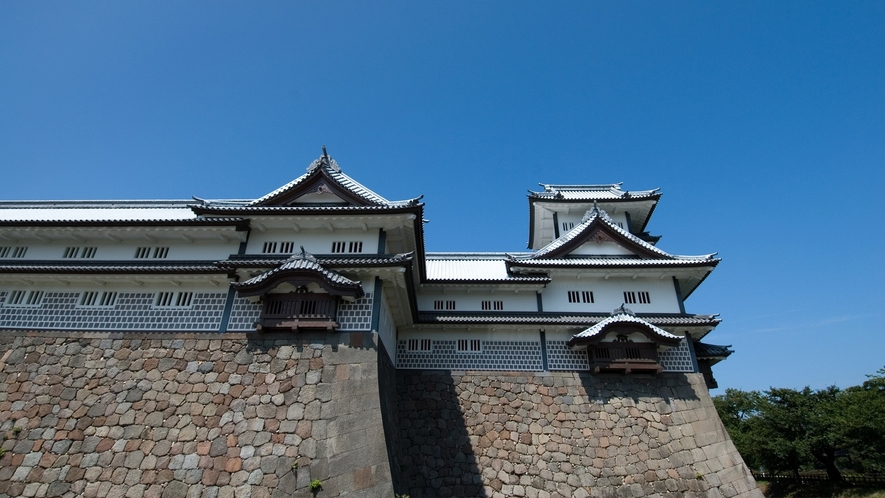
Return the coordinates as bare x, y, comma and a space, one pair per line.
436, 457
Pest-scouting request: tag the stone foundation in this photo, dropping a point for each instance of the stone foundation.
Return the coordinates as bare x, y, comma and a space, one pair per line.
564, 435
190, 415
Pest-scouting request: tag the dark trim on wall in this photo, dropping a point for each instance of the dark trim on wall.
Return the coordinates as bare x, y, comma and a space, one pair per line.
544, 351
629, 221
382, 242
555, 225
376, 307
231, 292
540, 302
679, 295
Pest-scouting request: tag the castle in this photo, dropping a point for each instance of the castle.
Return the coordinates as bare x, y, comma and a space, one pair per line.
305, 343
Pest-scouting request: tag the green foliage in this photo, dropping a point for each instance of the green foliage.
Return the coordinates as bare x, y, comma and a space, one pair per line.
789, 430
316, 485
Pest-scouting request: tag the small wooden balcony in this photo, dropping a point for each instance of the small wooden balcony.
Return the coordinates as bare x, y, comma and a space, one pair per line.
294, 311
624, 357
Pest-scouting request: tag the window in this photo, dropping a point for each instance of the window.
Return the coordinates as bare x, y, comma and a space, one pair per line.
630, 297
74, 252
567, 225
98, 299
25, 298
151, 252
354, 246
418, 345
278, 248
13, 252
580, 297
620, 225
447, 305
469, 346
174, 299
493, 305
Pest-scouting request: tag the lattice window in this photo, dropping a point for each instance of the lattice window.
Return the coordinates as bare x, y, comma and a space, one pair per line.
174, 299
644, 298
98, 299
79, 252
151, 252
353, 246
580, 297
444, 305
419, 345
469, 346
629, 297
567, 225
25, 298
13, 252
493, 305
278, 247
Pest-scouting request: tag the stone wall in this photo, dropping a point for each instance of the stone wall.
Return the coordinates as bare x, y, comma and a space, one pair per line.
190, 415
564, 435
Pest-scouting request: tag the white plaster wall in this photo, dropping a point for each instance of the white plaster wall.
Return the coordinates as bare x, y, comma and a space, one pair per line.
112, 287
108, 250
314, 241
481, 334
609, 294
522, 301
605, 248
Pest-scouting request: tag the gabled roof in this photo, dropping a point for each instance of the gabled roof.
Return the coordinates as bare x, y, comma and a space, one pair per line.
608, 192
597, 225
301, 269
324, 176
620, 317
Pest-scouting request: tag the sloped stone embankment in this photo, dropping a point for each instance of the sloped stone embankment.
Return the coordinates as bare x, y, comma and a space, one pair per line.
199, 415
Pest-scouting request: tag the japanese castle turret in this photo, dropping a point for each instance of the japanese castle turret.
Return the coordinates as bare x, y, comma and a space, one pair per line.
283, 339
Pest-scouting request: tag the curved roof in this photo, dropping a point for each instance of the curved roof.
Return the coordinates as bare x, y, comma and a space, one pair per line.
298, 270
619, 317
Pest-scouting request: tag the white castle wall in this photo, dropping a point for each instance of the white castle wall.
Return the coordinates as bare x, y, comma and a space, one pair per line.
314, 241
609, 294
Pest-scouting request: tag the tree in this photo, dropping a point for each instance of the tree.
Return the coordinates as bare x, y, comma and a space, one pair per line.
785, 429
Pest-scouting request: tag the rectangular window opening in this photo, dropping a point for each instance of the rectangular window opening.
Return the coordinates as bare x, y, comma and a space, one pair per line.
629, 297
493, 305
174, 299
19, 252
88, 252
142, 252
161, 252
71, 252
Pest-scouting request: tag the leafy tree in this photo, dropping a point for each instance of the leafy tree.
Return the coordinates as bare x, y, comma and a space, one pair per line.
789, 430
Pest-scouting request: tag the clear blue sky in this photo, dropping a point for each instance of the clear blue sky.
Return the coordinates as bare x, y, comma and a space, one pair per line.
763, 123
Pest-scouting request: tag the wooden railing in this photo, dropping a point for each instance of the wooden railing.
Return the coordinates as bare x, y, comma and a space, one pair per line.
624, 357
295, 311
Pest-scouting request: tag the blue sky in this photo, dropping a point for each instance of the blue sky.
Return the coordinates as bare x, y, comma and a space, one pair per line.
762, 122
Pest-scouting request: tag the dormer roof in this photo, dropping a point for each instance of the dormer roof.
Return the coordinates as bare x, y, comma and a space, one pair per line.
599, 227
623, 317
300, 269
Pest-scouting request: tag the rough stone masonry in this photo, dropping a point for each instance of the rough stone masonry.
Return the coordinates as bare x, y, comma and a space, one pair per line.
244, 415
